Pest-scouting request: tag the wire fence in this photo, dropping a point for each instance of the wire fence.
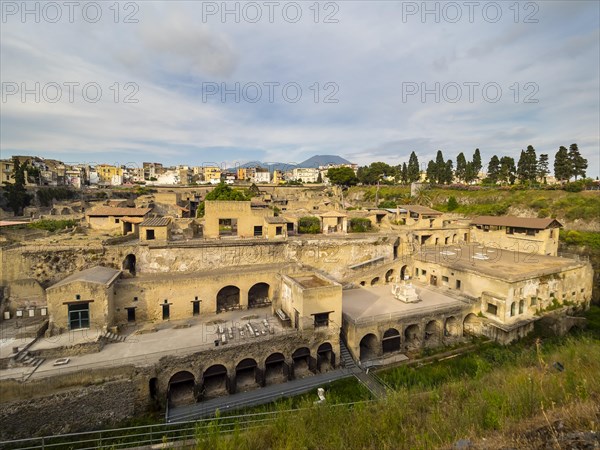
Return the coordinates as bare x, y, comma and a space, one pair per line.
183, 432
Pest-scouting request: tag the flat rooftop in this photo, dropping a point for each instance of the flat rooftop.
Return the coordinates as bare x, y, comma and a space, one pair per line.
310, 281
494, 262
374, 303
147, 343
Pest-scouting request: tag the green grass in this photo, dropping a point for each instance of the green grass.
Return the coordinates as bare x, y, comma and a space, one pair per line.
53, 225
492, 389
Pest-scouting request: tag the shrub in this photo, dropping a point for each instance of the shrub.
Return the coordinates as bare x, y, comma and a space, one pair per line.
52, 225
360, 225
309, 225
452, 203
387, 204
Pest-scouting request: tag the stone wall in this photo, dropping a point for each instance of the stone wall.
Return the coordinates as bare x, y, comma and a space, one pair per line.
79, 409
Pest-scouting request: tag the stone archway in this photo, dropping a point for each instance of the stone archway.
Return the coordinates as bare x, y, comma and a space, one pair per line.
325, 357
228, 298
452, 327
247, 375
215, 382
276, 369
302, 362
258, 295
129, 263
412, 337
472, 325
181, 389
389, 276
432, 333
369, 347
391, 341
403, 272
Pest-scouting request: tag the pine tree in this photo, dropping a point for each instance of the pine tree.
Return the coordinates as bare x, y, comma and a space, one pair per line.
414, 172
461, 166
562, 165
578, 163
542, 167
532, 171
507, 170
448, 174
476, 164
470, 174
431, 172
404, 174
493, 169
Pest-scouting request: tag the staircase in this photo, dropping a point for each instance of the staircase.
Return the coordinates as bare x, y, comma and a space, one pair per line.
27, 359
111, 337
372, 383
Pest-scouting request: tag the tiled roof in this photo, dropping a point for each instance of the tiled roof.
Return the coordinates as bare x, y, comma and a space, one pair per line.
420, 209
156, 222
97, 274
111, 211
516, 222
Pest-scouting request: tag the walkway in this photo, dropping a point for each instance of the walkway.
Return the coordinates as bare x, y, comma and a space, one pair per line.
255, 397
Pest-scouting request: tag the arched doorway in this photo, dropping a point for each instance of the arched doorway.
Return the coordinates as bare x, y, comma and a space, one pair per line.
276, 369
258, 295
215, 382
246, 375
375, 281
432, 333
391, 341
403, 272
412, 337
389, 275
129, 263
325, 357
181, 389
228, 298
301, 360
452, 327
472, 325
369, 347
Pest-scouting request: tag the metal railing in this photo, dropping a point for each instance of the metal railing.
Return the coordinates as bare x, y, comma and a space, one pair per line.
187, 432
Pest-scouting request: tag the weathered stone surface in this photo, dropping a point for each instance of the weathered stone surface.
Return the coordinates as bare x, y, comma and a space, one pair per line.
79, 409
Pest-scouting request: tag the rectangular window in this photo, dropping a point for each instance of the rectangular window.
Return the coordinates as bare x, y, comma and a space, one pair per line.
533, 301
149, 235
322, 320
423, 272
457, 284
492, 309
130, 314
116, 220
444, 279
416, 271
79, 316
258, 230
278, 231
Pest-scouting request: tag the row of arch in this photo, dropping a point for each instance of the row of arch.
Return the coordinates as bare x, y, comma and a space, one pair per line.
415, 336
388, 277
185, 388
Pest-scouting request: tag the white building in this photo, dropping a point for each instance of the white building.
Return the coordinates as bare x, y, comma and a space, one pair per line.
306, 174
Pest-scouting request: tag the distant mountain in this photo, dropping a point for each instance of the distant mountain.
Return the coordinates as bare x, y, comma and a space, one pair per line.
323, 160
313, 162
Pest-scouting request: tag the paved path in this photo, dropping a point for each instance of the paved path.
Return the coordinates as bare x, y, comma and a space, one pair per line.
255, 397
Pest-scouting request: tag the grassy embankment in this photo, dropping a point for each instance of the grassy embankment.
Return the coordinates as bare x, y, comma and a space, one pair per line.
489, 392
544, 203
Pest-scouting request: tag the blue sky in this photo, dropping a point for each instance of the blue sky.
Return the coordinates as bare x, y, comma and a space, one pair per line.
366, 61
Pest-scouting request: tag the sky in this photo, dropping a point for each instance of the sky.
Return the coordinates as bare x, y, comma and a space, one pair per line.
192, 83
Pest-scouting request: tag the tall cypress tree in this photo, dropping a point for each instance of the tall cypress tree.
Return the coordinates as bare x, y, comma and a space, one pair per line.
562, 165
404, 174
578, 163
414, 172
440, 167
448, 174
542, 167
431, 172
493, 169
461, 167
531, 164
476, 164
